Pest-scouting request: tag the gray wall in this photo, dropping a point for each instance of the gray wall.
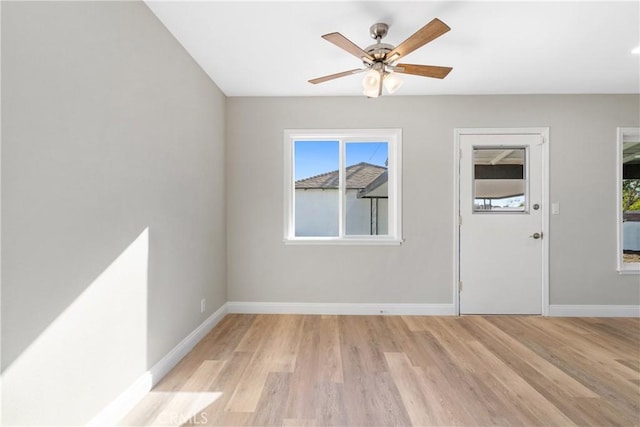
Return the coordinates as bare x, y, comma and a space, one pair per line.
582, 177
113, 217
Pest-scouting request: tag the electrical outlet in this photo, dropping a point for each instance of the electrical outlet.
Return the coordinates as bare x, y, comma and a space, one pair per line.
203, 305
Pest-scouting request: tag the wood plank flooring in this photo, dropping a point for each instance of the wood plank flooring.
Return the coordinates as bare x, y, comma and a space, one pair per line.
290, 370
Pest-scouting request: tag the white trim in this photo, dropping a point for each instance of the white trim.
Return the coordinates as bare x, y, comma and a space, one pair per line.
1, 387
113, 413
171, 359
393, 137
342, 191
343, 241
544, 134
456, 221
594, 310
622, 267
629, 271
341, 308
546, 203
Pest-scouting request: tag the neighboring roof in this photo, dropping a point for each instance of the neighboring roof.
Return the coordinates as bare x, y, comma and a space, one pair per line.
359, 176
377, 184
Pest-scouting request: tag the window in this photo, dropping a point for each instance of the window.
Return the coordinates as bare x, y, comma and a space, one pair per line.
343, 186
628, 191
499, 179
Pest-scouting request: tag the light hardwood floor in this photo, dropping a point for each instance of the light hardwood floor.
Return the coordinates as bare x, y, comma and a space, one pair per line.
286, 370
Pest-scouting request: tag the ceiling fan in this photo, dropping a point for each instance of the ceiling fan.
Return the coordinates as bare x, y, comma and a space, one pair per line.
380, 59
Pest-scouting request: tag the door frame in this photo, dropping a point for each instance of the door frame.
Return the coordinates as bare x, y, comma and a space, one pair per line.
543, 132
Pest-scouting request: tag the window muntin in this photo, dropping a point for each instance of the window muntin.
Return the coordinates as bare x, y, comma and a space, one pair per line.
500, 179
628, 191
343, 186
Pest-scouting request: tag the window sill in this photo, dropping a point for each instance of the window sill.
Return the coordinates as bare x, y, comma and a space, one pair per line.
343, 241
627, 271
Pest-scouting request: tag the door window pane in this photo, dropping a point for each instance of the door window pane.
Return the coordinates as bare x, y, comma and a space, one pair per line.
499, 180
367, 189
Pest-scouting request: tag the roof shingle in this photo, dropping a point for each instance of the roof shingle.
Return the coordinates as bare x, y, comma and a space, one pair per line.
358, 176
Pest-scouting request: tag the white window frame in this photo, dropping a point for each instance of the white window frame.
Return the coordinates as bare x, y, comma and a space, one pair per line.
393, 138
623, 267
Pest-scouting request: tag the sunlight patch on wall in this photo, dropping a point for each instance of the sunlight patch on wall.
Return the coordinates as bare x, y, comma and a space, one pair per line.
89, 353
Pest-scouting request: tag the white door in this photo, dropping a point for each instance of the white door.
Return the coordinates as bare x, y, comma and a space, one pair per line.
501, 214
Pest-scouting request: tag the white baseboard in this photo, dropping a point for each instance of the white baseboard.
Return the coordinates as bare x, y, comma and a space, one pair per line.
164, 365
341, 308
594, 310
113, 413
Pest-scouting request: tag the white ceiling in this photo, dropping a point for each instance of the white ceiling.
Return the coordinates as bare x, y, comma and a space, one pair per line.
270, 48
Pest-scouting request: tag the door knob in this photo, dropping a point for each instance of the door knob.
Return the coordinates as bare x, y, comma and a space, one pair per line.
536, 235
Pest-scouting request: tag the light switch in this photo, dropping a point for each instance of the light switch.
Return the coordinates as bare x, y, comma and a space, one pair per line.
555, 208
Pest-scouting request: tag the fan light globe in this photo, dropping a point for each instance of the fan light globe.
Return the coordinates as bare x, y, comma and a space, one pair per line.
371, 81
371, 92
392, 82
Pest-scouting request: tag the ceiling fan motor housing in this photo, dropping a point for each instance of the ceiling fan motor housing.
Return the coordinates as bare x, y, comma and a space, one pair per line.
379, 50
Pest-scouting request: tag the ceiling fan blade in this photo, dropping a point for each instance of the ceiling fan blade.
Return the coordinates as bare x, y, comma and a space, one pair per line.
335, 76
424, 35
423, 70
346, 44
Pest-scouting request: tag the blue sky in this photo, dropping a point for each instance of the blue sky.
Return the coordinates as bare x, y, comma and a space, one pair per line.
317, 157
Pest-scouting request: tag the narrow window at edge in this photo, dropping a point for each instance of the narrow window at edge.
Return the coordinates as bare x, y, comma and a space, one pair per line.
629, 143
